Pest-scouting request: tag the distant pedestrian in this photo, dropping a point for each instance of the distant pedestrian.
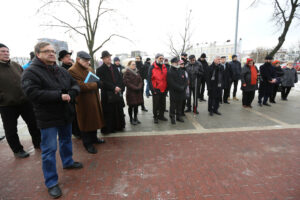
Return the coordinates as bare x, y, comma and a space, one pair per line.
279, 73
184, 58
88, 105
205, 66
195, 72
117, 64
227, 79
236, 70
13, 103
65, 57
289, 79
177, 83
158, 86
214, 86
52, 91
147, 66
28, 64
166, 62
111, 95
267, 75
134, 91
187, 90
249, 82
143, 73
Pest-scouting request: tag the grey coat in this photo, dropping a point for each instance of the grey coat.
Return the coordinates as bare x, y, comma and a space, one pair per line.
289, 78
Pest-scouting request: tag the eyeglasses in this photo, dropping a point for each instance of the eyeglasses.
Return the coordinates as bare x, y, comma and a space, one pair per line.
48, 51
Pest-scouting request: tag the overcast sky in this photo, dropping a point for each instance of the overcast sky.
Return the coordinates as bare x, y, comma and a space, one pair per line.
147, 23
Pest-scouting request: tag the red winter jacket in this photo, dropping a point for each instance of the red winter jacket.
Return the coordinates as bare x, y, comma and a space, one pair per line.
158, 77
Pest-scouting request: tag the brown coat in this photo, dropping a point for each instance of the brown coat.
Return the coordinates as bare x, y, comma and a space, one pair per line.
134, 88
88, 107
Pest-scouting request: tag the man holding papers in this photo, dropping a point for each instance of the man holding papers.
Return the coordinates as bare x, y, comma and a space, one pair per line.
88, 107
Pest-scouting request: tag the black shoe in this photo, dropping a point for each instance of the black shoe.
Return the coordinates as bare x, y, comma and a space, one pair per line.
99, 141
22, 154
183, 115
202, 99
284, 99
133, 122
166, 111
144, 109
226, 102
266, 104
260, 104
91, 149
272, 102
155, 120
188, 110
179, 119
55, 192
211, 113
2, 137
75, 165
137, 120
217, 112
173, 120
162, 118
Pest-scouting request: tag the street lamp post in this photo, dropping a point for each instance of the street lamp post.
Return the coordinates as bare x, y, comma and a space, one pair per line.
236, 26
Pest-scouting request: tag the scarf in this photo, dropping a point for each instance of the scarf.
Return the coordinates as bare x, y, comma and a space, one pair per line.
134, 71
253, 75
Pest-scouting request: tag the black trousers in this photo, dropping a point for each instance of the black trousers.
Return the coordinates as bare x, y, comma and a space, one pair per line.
183, 105
285, 92
195, 99
75, 128
248, 97
159, 104
135, 111
202, 89
10, 115
274, 92
235, 85
176, 108
88, 138
214, 100
226, 94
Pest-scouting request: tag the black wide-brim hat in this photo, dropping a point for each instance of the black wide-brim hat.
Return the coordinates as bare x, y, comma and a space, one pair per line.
105, 54
63, 53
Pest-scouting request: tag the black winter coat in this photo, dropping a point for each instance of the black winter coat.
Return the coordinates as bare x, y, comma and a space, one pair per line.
177, 83
227, 76
141, 69
67, 67
214, 80
44, 86
147, 66
267, 73
195, 71
246, 78
289, 78
236, 70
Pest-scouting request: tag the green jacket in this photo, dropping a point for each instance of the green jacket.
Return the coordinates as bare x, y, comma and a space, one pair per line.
11, 93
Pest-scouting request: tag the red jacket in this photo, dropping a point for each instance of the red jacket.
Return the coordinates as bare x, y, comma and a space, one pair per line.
159, 77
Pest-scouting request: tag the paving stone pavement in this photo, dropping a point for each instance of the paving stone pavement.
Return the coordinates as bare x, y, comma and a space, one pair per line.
248, 154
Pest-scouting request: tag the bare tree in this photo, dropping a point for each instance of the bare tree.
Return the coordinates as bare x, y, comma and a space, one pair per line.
87, 26
283, 16
185, 38
259, 54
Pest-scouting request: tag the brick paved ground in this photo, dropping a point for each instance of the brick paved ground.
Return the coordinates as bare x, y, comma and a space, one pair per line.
253, 165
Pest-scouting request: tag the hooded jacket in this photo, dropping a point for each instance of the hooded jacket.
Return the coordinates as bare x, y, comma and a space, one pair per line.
44, 86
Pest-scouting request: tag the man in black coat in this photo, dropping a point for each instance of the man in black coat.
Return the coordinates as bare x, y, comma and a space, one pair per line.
205, 66
184, 58
111, 95
236, 70
214, 86
65, 57
52, 90
279, 73
267, 75
227, 79
117, 64
177, 85
143, 74
195, 72
147, 66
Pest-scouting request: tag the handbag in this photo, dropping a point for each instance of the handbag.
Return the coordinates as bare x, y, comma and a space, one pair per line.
113, 97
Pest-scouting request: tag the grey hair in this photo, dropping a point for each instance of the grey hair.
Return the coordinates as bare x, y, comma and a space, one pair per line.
217, 57
39, 46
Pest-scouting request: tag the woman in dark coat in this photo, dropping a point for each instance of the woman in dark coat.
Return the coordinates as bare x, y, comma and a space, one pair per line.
134, 93
289, 79
111, 95
249, 82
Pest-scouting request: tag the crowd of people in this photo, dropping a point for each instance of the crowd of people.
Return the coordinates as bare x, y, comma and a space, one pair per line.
58, 100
